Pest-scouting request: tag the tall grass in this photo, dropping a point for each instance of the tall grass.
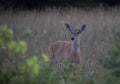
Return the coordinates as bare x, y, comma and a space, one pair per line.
40, 28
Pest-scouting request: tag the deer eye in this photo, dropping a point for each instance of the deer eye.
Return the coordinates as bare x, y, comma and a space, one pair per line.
72, 32
77, 32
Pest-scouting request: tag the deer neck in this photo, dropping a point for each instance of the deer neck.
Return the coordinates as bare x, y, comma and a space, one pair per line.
76, 44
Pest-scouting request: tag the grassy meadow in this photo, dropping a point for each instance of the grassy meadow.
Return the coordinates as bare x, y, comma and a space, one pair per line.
40, 28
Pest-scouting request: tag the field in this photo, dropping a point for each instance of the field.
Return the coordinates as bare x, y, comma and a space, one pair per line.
41, 28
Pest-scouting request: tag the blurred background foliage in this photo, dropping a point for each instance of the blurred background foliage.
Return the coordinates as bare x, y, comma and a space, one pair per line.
41, 4
16, 68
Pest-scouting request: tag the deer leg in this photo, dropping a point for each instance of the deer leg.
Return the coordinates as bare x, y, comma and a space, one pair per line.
59, 66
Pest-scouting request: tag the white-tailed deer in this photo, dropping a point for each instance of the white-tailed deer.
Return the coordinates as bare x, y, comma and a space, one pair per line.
69, 50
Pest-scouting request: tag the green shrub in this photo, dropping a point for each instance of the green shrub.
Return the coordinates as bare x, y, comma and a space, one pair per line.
10, 55
112, 63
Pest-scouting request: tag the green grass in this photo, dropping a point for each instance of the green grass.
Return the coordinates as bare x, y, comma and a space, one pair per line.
40, 28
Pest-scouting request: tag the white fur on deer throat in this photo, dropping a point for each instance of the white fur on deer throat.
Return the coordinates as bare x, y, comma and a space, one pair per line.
76, 45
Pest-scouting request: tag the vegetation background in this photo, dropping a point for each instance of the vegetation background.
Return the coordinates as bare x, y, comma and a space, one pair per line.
39, 23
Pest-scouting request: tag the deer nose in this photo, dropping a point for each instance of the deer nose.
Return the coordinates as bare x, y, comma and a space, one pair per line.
72, 38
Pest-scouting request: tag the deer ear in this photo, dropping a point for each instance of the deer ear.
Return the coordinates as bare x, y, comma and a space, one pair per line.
68, 27
82, 28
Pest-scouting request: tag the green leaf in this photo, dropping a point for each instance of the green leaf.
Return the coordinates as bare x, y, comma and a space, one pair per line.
31, 61
36, 68
45, 57
23, 46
